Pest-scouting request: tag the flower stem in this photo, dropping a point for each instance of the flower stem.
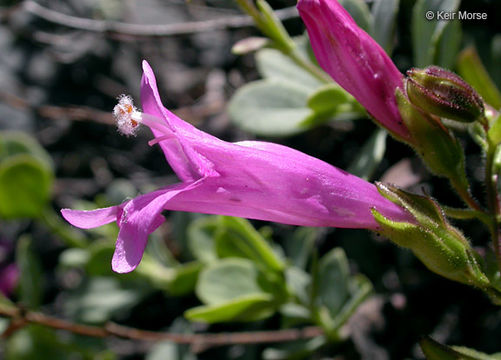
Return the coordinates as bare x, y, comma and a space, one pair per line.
271, 26
310, 67
491, 180
465, 194
466, 214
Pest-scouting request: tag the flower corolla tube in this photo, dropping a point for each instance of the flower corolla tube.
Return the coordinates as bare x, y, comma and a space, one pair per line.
251, 179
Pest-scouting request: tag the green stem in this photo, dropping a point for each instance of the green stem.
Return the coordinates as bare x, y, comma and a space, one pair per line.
493, 198
273, 29
310, 67
466, 214
70, 237
464, 192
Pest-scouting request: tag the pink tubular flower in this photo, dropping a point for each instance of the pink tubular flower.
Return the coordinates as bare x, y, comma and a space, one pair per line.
354, 60
251, 179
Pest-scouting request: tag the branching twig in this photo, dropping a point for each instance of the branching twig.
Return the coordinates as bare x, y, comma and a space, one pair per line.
116, 27
85, 113
21, 317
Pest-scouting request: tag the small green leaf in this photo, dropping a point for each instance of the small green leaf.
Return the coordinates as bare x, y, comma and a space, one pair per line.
15, 143
359, 10
449, 45
359, 288
236, 237
274, 65
270, 108
30, 280
470, 67
185, 278
495, 69
333, 280
494, 132
370, 156
251, 307
25, 185
97, 300
176, 280
426, 33
384, 14
474, 354
300, 245
226, 280
299, 283
200, 234
436, 351
327, 98
331, 102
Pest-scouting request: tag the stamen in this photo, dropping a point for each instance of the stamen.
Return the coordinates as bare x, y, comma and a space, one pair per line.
128, 118
126, 115
160, 139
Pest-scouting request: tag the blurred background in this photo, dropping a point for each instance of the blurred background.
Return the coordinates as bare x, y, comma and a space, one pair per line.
62, 66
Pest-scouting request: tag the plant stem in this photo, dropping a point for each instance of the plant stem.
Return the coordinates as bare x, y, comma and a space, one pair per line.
310, 67
493, 198
22, 317
465, 194
273, 29
465, 214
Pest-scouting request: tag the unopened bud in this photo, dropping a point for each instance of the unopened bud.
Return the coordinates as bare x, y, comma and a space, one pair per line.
443, 93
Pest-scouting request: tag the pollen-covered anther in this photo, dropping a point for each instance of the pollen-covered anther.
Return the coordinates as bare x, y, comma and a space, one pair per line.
126, 115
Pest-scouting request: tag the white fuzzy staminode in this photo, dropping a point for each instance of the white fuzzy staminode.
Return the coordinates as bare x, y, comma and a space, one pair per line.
126, 115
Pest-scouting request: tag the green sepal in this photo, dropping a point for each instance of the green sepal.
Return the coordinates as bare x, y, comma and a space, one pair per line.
441, 248
438, 148
494, 132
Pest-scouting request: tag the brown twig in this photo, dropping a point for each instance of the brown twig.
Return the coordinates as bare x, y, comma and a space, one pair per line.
85, 113
116, 27
21, 317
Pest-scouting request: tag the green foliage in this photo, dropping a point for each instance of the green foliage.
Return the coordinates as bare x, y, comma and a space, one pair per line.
37, 342
436, 351
100, 298
359, 10
269, 108
289, 99
246, 280
384, 14
31, 280
26, 176
236, 237
434, 41
470, 67
337, 294
370, 156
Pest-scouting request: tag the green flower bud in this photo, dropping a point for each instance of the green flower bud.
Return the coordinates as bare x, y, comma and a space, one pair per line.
438, 148
441, 248
443, 93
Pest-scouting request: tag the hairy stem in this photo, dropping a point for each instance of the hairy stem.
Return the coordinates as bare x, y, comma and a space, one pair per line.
466, 214
491, 180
